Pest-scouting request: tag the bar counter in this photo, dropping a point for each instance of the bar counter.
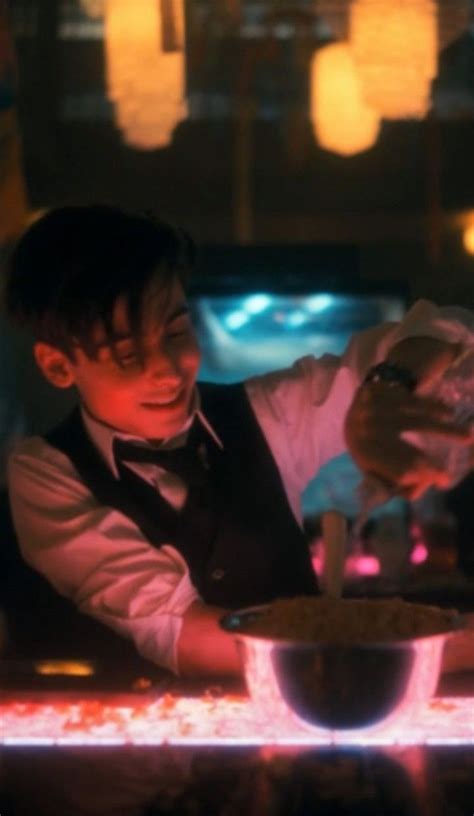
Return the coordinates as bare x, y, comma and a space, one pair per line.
202, 749
132, 740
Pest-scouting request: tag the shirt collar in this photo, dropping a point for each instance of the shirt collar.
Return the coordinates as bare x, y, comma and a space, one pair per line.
103, 435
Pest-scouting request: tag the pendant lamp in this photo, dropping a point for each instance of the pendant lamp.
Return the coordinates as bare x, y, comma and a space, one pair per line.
343, 123
145, 69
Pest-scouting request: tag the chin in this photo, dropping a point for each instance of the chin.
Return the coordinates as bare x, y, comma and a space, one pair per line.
163, 427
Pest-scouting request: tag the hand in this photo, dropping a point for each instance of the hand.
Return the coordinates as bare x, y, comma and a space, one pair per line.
379, 414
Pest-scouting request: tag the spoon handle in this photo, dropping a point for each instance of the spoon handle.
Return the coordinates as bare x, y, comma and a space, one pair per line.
334, 529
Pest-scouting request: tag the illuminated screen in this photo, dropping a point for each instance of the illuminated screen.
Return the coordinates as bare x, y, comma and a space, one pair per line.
255, 332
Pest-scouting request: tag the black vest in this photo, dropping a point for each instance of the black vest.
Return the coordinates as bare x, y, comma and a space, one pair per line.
254, 550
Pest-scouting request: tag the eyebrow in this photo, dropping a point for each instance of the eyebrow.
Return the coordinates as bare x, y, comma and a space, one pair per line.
178, 312
118, 337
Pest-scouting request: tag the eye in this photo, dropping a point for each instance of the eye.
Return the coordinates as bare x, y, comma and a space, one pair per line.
126, 356
127, 359
177, 333
180, 327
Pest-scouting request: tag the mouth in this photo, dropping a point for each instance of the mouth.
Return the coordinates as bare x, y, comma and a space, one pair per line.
163, 401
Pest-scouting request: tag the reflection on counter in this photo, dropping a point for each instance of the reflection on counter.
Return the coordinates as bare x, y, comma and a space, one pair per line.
408, 781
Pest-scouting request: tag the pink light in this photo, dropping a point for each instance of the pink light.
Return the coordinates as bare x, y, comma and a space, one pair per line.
227, 720
419, 553
362, 564
357, 564
318, 563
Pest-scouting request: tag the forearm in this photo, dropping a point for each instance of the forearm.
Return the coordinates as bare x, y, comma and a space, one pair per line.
203, 647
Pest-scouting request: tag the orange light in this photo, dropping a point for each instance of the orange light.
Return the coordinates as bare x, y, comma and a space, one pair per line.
342, 121
71, 668
145, 69
395, 49
468, 239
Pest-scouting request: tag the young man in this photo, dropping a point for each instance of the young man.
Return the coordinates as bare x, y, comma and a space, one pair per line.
158, 503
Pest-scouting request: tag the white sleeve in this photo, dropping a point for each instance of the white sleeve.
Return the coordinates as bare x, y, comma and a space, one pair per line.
451, 323
95, 555
301, 409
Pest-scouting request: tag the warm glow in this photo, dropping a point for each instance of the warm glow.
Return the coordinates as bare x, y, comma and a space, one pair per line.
342, 122
72, 668
145, 67
468, 239
208, 720
93, 8
394, 44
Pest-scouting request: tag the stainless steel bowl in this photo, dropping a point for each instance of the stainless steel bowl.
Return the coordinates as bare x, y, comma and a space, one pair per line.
327, 687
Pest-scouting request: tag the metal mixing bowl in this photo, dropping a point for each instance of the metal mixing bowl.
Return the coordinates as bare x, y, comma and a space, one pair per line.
327, 687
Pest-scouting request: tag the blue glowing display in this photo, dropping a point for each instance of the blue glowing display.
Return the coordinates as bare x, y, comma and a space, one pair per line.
246, 334
255, 304
236, 319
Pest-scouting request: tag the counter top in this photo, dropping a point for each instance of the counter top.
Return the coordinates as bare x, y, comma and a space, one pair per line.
200, 750
186, 715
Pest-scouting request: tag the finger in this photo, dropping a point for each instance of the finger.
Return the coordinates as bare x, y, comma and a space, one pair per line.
416, 489
381, 395
404, 466
428, 406
405, 412
415, 483
447, 430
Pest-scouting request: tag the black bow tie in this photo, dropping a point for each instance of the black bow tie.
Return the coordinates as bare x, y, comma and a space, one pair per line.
186, 462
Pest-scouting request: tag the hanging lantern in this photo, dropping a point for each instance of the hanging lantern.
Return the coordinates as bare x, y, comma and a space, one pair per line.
394, 43
93, 8
145, 68
342, 121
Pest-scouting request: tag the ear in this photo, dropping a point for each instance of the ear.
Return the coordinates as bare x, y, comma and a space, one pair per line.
54, 364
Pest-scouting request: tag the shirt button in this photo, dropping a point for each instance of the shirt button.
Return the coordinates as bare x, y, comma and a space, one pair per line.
217, 574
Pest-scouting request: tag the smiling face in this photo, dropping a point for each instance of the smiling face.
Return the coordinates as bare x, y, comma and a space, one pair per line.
144, 389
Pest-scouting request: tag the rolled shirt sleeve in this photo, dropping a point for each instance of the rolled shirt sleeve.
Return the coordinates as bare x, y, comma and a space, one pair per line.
96, 556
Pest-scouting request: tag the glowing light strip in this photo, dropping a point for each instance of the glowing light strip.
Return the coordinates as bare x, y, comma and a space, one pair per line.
184, 742
206, 721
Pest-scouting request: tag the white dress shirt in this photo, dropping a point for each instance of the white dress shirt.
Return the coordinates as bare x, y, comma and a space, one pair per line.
99, 558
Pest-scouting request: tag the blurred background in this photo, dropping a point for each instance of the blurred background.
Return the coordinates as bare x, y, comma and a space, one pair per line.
319, 151
261, 122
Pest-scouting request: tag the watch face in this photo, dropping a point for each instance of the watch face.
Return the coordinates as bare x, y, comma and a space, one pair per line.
393, 375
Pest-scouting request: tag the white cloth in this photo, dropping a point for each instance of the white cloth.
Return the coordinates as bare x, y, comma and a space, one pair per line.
97, 557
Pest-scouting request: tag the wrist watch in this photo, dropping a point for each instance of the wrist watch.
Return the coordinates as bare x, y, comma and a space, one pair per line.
391, 374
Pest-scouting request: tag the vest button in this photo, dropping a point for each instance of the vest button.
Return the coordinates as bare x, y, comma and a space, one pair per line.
217, 574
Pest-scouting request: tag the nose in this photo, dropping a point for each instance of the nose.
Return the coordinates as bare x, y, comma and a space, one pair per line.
162, 367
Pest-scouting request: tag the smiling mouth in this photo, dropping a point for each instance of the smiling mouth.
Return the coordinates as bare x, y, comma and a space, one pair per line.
163, 401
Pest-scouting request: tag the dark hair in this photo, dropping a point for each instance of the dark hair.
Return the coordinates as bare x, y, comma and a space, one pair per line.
70, 267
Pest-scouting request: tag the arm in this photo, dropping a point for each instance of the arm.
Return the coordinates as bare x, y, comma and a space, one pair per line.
203, 647
302, 409
99, 559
